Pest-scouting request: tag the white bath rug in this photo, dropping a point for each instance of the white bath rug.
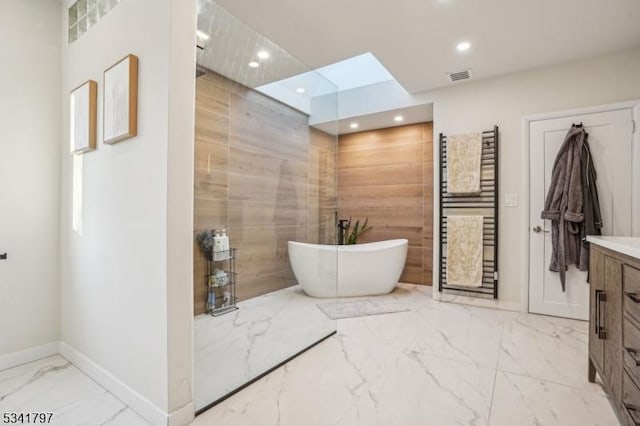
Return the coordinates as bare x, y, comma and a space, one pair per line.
361, 308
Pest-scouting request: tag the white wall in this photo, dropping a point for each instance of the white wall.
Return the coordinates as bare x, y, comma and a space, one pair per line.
29, 173
179, 204
125, 292
478, 105
365, 100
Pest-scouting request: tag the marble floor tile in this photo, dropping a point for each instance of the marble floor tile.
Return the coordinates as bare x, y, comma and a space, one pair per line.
523, 401
544, 347
457, 332
232, 349
314, 389
125, 417
420, 389
335, 385
436, 364
54, 385
466, 298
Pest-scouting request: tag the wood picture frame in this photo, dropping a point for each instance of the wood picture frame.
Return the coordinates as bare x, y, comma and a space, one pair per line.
83, 117
120, 100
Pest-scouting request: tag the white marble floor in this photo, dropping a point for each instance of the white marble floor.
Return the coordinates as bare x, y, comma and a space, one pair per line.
233, 349
437, 364
54, 385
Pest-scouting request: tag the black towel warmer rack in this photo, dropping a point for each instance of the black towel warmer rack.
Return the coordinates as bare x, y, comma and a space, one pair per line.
486, 203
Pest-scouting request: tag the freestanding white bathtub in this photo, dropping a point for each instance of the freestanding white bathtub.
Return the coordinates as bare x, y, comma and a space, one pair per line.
362, 269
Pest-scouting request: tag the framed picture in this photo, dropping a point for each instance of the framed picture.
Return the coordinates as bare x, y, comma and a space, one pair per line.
83, 113
120, 107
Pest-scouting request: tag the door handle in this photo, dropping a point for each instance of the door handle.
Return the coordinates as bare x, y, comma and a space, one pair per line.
631, 411
633, 354
538, 229
3, 256
597, 308
601, 297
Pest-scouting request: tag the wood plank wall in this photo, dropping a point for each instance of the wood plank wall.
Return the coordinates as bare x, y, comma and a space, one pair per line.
387, 176
263, 174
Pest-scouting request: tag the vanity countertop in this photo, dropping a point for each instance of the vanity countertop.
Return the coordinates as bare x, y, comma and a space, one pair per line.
625, 245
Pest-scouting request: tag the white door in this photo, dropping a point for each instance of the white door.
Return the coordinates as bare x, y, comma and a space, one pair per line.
610, 139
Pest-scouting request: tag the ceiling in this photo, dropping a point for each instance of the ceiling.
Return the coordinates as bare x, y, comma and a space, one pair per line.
379, 120
416, 39
231, 45
359, 89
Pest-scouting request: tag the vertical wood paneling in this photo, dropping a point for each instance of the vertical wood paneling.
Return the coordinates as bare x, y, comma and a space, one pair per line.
263, 174
211, 188
323, 190
268, 190
387, 176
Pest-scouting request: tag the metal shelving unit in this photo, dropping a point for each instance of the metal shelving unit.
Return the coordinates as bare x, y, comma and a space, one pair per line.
221, 282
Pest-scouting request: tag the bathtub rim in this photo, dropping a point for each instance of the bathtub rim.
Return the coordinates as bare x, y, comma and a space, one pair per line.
376, 245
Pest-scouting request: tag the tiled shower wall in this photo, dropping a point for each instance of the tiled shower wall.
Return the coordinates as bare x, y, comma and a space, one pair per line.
386, 175
263, 174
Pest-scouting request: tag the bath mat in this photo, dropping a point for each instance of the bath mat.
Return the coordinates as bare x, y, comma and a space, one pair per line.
464, 250
464, 158
362, 308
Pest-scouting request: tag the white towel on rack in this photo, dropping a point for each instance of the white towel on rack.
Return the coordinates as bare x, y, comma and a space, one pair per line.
464, 250
464, 162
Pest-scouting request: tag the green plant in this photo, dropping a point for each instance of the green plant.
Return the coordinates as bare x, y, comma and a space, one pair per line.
353, 235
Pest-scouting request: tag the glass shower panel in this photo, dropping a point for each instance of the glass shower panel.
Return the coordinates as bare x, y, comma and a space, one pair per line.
265, 156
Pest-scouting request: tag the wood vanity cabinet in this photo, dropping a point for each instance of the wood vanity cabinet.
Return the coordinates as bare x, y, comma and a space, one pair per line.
614, 329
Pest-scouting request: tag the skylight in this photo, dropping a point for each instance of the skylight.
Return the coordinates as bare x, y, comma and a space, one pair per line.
358, 71
297, 91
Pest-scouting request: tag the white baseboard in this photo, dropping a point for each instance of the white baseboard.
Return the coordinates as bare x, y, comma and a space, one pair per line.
182, 416
138, 403
28, 355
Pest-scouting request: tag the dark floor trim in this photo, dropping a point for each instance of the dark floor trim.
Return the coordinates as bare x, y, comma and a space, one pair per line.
250, 382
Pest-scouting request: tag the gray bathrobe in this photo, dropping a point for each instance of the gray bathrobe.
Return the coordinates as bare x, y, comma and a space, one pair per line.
563, 205
592, 224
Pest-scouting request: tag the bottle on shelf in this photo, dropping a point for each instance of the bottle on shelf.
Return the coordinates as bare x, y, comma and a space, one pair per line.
211, 303
225, 244
220, 278
218, 246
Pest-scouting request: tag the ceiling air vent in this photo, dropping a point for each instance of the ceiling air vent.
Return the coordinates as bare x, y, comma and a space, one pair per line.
459, 75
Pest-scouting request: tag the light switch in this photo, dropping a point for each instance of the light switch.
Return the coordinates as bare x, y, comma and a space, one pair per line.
511, 200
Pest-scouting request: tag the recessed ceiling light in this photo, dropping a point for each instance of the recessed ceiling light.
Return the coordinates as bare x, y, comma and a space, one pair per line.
398, 118
300, 90
353, 125
463, 46
254, 64
263, 54
202, 35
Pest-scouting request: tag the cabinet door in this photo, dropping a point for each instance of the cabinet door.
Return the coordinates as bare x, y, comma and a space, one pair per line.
613, 325
631, 299
596, 278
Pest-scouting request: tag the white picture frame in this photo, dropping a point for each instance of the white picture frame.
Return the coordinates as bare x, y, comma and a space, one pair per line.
83, 107
120, 104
